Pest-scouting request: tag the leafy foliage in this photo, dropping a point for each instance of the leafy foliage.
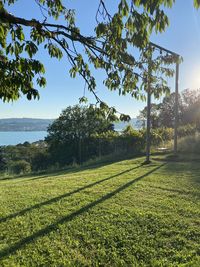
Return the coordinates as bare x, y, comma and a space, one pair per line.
69, 136
2, 160
13, 158
109, 48
163, 114
189, 144
154, 116
187, 130
19, 167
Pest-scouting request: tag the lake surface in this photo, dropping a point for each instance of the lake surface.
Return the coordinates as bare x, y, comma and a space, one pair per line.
14, 138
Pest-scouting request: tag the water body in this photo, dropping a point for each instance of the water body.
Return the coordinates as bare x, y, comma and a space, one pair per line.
14, 138
19, 137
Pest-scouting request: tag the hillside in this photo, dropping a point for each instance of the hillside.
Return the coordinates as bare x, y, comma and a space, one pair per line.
120, 214
30, 124
24, 124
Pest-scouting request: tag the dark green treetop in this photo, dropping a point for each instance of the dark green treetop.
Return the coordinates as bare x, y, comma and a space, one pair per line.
80, 122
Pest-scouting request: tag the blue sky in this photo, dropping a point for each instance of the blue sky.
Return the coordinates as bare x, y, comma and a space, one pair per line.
182, 36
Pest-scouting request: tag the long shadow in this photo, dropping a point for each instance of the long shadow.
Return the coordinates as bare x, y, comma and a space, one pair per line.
27, 240
190, 169
73, 170
179, 158
45, 174
55, 199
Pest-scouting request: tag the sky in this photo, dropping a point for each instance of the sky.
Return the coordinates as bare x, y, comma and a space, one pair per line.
182, 37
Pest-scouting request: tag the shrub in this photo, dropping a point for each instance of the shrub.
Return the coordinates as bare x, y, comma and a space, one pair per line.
133, 140
166, 133
187, 130
190, 144
129, 141
40, 161
18, 167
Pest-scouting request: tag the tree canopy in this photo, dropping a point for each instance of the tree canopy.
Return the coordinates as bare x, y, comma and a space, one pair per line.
69, 136
163, 114
106, 48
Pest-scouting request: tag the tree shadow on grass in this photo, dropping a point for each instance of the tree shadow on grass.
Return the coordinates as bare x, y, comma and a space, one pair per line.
179, 192
55, 199
49, 174
188, 168
91, 166
52, 227
179, 158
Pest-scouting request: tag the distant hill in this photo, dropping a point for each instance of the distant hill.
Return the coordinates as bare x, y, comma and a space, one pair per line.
29, 124
24, 124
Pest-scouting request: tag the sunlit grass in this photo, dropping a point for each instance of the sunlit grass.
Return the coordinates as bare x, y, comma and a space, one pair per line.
120, 214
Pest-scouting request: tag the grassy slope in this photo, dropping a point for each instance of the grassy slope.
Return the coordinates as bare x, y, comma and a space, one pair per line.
122, 214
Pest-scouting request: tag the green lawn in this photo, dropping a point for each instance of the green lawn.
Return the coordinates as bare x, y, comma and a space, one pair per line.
120, 214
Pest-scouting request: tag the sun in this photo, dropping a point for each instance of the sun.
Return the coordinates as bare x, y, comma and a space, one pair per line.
195, 79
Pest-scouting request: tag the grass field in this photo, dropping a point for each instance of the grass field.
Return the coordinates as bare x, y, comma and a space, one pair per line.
119, 214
